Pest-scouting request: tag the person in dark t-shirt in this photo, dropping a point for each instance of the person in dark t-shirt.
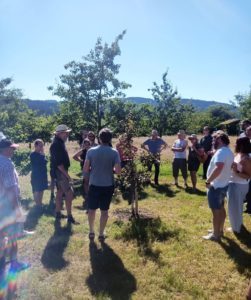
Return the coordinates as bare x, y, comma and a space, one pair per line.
60, 164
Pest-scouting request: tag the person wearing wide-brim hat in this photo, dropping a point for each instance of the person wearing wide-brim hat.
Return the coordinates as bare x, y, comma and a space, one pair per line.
60, 164
11, 216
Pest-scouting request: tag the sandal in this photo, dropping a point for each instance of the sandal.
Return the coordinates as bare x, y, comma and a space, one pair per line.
91, 236
101, 238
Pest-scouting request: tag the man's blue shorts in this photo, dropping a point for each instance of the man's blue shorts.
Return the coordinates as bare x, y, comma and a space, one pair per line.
100, 197
216, 197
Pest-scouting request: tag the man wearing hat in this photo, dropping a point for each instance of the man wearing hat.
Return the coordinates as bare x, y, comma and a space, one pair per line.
180, 162
60, 164
10, 208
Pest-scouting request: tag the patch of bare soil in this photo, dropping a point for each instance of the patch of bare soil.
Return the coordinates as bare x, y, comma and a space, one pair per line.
125, 214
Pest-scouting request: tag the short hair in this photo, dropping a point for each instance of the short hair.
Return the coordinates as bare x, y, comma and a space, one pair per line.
223, 136
206, 128
37, 141
246, 121
91, 133
243, 145
105, 135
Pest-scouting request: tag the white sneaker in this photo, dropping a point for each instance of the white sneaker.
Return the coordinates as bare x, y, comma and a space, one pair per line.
211, 237
27, 233
212, 231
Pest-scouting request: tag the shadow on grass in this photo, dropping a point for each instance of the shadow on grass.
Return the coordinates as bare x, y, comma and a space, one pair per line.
165, 189
190, 190
244, 236
52, 257
35, 213
109, 276
241, 258
146, 231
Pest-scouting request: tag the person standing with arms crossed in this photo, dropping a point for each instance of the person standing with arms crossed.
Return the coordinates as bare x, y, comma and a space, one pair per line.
180, 163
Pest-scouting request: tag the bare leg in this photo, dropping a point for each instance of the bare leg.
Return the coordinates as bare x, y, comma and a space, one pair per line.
13, 251
223, 218
86, 186
68, 201
59, 200
52, 187
91, 219
103, 221
193, 179
217, 222
38, 196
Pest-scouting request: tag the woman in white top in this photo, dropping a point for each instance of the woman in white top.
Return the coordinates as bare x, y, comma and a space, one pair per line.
238, 184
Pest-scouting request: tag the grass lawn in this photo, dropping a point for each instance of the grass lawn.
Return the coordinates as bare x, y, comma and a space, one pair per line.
160, 258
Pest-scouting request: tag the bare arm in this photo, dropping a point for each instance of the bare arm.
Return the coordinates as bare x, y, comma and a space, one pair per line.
164, 146
117, 169
62, 169
216, 172
179, 149
86, 167
77, 156
144, 147
246, 169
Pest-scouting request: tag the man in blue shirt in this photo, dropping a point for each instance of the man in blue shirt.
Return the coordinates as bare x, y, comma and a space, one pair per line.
154, 146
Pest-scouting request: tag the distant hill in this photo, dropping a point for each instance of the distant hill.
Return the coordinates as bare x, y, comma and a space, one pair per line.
48, 107
199, 105
43, 107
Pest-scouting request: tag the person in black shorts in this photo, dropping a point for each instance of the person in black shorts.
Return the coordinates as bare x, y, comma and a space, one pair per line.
193, 159
100, 163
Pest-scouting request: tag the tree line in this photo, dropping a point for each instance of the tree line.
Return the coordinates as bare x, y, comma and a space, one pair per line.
92, 98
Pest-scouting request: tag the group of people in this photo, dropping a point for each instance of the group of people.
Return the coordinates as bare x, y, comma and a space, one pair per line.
198, 152
225, 174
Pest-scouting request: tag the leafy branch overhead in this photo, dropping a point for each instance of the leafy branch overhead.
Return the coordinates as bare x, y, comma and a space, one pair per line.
91, 82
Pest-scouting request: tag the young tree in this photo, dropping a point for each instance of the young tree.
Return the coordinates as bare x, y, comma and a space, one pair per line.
91, 82
134, 175
167, 108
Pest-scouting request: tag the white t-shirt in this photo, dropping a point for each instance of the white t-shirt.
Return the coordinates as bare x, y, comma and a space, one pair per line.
180, 144
226, 156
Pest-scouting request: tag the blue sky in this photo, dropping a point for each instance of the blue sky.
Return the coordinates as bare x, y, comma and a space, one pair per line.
205, 44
